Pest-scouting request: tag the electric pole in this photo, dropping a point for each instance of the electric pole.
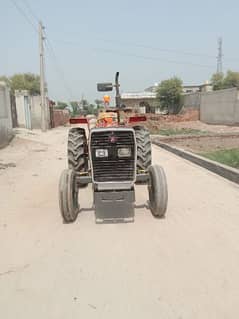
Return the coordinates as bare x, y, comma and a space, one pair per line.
219, 56
42, 80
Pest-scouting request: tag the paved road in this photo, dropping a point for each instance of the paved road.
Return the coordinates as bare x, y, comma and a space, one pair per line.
184, 266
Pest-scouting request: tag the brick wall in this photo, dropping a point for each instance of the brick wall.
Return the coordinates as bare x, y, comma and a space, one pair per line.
60, 117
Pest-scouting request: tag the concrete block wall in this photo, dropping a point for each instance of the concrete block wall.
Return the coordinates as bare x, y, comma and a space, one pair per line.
220, 107
192, 100
6, 132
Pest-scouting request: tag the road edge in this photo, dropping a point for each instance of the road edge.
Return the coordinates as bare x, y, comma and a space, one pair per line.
225, 171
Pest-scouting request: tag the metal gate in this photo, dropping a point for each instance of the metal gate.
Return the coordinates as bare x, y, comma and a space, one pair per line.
13, 111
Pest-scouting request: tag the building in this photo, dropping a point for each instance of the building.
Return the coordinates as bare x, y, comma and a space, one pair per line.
145, 101
6, 132
29, 110
206, 87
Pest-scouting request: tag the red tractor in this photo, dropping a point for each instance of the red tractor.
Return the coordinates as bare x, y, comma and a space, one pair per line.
115, 156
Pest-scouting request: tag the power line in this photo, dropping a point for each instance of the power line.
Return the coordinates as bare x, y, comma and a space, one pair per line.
44, 105
22, 12
27, 5
51, 51
145, 47
159, 49
59, 70
139, 56
47, 44
152, 58
230, 59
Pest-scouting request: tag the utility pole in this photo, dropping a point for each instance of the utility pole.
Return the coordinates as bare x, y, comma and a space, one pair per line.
42, 80
219, 56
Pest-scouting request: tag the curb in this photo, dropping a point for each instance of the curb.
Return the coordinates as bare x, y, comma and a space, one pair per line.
225, 171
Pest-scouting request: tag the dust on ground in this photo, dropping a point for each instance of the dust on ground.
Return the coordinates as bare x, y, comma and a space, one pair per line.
203, 144
182, 266
214, 137
25, 144
186, 120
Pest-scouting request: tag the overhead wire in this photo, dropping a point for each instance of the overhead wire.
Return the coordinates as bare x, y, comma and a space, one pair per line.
159, 49
123, 53
27, 5
108, 50
153, 58
47, 42
59, 70
123, 43
22, 12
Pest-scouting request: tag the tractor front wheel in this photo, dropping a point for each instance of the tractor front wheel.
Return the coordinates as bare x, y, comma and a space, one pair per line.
144, 157
77, 151
158, 191
68, 196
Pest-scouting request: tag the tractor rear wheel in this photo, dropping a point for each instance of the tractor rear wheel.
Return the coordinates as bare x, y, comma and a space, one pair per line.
158, 191
144, 156
68, 196
76, 150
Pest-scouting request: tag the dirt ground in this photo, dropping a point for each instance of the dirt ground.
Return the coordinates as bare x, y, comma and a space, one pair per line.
203, 143
183, 266
213, 137
198, 125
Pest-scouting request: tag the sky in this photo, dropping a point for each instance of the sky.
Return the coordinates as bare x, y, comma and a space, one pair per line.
146, 41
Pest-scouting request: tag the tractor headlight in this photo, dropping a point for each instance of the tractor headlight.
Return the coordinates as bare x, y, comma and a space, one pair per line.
101, 153
124, 152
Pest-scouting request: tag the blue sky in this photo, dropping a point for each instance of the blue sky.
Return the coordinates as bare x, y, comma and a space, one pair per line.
154, 39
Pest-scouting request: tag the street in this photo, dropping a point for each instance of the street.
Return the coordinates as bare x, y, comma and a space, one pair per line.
182, 266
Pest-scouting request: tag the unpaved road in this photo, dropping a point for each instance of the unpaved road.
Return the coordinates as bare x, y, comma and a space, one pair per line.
184, 266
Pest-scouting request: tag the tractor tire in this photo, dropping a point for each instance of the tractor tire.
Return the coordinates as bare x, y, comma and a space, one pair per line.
76, 150
158, 191
144, 156
68, 196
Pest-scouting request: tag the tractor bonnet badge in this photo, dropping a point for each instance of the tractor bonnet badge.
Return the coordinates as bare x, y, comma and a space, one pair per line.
112, 138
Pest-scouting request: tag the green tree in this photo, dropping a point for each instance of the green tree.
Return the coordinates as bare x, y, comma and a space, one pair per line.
24, 81
99, 103
92, 109
169, 94
221, 81
61, 105
6, 80
217, 81
231, 79
75, 108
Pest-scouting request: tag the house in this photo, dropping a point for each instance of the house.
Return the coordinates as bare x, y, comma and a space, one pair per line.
206, 87
145, 101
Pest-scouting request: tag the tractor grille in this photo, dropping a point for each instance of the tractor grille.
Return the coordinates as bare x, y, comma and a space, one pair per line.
112, 168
